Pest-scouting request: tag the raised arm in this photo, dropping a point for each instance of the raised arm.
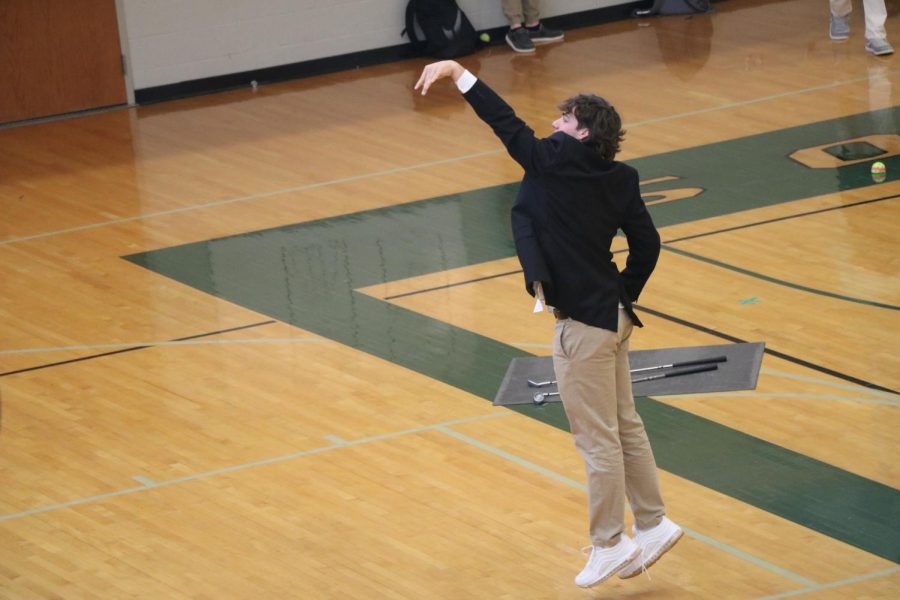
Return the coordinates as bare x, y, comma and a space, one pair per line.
534, 155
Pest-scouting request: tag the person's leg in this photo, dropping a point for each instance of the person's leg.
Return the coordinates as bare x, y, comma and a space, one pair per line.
876, 14
841, 8
654, 533
584, 359
876, 36
531, 10
839, 25
513, 10
517, 37
641, 478
584, 362
539, 33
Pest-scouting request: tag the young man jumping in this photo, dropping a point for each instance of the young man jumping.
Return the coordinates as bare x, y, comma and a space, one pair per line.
573, 199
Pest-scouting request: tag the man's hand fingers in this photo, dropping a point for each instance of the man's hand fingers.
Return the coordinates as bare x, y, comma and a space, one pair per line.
428, 77
425, 80
432, 73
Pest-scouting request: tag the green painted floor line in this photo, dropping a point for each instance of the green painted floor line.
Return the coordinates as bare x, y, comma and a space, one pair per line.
550, 474
307, 274
777, 281
824, 498
833, 585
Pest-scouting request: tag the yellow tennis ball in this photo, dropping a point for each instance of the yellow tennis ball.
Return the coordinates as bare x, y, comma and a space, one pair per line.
879, 171
485, 37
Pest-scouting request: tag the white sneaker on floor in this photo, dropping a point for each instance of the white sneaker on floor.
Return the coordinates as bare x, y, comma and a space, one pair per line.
606, 562
653, 543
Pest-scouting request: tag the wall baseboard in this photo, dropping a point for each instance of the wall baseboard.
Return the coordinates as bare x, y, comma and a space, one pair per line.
353, 60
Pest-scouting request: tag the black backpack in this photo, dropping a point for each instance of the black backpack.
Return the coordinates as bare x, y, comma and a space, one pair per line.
448, 32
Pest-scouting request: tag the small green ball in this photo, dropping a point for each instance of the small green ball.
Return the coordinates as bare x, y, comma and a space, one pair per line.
485, 37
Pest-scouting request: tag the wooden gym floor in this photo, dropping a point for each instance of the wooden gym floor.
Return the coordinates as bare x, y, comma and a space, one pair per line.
249, 341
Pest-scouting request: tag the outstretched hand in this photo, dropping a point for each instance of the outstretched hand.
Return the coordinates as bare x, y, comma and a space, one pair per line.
438, 70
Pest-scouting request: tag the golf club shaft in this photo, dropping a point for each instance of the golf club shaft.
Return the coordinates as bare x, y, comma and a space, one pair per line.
685, 363
699, 369
710, 363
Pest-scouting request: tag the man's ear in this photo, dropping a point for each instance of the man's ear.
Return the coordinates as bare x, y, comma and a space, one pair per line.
582, 133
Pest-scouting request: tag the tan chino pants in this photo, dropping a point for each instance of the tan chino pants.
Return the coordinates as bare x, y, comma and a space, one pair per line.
592, 368
519, 12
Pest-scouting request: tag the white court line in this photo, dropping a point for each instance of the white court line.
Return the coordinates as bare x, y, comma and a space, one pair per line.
745, 556
751, 394
834, 584
299, 188
721, 107
835, 384
809, 396
292, 340
149, 484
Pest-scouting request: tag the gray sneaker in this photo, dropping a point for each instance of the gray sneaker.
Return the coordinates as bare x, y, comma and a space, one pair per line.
879, 47
519, 40
543, 35
839, 29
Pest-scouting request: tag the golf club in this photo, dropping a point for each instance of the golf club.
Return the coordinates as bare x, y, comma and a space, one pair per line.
699, 369
540, 398
685, 363
538, 384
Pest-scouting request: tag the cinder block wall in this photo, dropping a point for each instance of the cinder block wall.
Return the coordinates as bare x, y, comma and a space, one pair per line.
171, 41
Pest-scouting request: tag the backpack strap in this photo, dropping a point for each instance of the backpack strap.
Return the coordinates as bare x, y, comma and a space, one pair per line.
410, 30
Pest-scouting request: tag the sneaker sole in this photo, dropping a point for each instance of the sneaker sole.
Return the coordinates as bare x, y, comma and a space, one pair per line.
614, 570
520, 50
547, 40
885, 53
653, 559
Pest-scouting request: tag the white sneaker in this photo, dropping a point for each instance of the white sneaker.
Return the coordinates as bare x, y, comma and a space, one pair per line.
653, 543
606, 562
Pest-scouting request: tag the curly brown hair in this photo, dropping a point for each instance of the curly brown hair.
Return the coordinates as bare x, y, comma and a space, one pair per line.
600, 119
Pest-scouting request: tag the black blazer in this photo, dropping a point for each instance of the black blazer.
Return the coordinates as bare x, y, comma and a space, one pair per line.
570, 205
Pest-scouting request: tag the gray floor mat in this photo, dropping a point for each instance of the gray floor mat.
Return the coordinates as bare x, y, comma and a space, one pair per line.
739, 371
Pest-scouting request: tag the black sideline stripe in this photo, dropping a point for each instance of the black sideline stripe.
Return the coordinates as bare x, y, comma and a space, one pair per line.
781, 355
785, 218
133, 348
450, 285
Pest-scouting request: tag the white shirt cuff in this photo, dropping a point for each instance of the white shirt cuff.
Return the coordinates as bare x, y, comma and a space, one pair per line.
466, 81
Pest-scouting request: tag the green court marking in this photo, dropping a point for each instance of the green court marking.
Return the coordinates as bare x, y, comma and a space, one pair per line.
306, 275
777, 281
